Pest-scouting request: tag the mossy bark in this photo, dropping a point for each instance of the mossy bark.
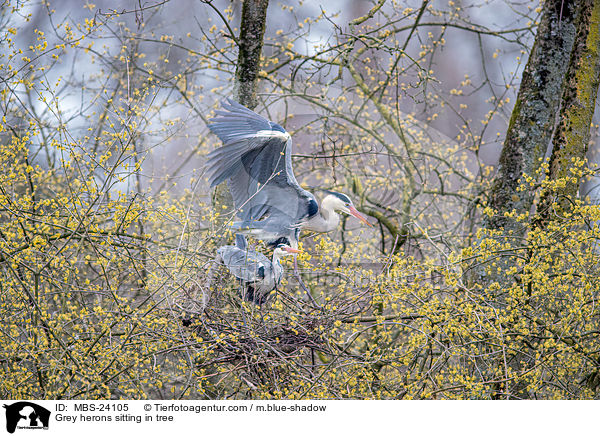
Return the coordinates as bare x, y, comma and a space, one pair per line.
534, 114
250, 44
530, 131
572, 136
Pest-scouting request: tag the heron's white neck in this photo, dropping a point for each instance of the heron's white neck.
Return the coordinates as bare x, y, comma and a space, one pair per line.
326, 220
277, 268
276, 258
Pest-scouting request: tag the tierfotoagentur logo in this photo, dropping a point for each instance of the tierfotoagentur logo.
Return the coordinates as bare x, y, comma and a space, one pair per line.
26, 415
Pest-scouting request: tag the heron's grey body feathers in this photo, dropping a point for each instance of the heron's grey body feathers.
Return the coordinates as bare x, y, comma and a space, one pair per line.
254, 270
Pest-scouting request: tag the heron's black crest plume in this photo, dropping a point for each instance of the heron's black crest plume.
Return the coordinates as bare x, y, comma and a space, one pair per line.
339, 195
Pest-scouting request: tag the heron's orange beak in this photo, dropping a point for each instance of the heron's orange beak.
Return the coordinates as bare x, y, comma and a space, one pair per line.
292, 250
358, 215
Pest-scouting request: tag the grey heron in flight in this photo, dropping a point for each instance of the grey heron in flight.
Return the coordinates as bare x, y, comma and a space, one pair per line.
254, 270
256, 160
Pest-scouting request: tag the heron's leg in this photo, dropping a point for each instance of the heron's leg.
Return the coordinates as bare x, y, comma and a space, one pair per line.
243, 293
302, 285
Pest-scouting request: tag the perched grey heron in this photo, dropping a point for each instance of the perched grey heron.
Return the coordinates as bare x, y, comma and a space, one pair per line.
254, 270
256, 160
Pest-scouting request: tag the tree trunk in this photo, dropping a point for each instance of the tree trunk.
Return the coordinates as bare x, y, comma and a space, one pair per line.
533, 117
250, 43
252, 30
530, 130
572, 136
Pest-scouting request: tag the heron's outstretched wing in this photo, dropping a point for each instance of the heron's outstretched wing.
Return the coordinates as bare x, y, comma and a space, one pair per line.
241, 130
256, 159
248, 266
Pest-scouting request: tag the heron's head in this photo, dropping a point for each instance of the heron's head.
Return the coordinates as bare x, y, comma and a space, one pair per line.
284, 250
342, 203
